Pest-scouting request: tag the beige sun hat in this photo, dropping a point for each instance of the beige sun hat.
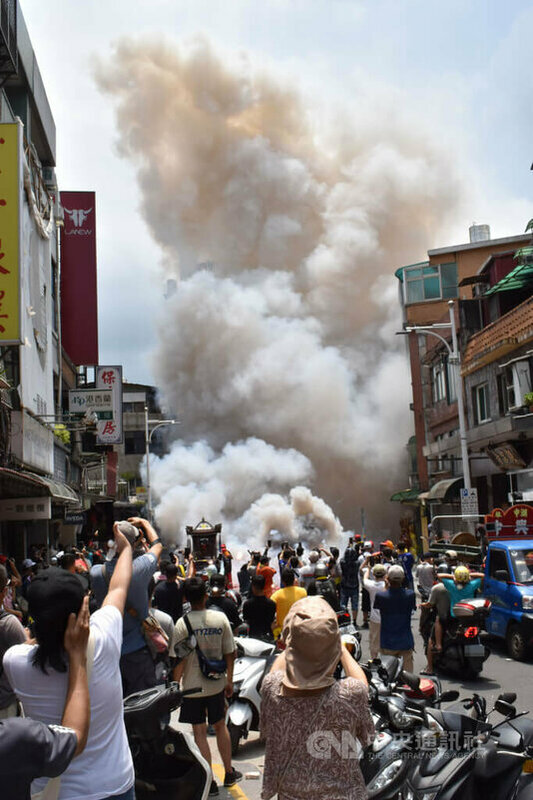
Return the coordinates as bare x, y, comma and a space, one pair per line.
313, 644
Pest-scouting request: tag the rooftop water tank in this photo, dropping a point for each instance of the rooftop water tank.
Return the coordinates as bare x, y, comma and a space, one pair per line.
479, 233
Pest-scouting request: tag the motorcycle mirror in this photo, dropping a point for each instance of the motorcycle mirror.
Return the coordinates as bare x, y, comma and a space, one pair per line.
449, 696
507, 697
504, 708
383, 674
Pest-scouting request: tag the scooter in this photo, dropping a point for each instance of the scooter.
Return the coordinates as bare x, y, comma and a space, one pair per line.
398, 701
254, 660
484, 760
168, 764
462, 650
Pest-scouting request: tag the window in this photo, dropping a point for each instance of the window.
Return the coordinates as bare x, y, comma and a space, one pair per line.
430, 282
443, 382
134, 443
439, 382
498, 560
480, 402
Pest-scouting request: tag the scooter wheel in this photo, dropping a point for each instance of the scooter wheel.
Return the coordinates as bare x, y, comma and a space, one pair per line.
235, 733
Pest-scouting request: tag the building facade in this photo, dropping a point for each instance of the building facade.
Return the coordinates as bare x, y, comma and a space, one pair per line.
467, 275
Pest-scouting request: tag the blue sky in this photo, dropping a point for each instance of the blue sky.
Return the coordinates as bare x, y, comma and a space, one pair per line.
465, 68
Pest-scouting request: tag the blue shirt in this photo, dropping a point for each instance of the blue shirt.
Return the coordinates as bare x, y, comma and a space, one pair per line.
407, 560
462, 592
143, 569
396, 607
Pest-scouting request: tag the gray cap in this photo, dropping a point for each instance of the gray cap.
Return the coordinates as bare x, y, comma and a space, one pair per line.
130, 531
396, 573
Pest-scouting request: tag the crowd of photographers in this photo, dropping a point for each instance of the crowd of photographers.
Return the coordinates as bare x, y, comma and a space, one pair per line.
147, 605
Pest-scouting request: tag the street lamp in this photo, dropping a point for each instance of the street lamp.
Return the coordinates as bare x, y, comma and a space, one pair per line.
157, 423
455, 361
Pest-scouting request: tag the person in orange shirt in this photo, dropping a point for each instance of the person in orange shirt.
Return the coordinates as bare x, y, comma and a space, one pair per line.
268, 572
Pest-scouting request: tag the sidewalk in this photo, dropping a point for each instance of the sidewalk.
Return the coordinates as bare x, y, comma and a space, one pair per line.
249, 761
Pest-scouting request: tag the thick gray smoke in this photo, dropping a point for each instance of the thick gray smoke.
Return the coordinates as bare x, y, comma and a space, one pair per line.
278, 354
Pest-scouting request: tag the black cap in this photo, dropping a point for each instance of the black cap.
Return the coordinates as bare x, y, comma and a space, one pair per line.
54, 594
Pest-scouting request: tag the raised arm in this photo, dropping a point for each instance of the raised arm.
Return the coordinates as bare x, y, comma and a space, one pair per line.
120, 580
351, 667
77, 711
155, 545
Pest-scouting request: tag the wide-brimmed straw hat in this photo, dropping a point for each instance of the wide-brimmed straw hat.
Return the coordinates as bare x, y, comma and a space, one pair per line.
313, 644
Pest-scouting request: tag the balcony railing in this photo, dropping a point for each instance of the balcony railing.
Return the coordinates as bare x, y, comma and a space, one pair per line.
8, 39
508, 333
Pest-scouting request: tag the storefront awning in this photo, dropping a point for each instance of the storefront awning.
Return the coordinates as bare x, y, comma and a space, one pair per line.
405, 496
19, 483
445, 491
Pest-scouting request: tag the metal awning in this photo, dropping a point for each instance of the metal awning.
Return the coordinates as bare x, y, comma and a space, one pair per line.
19, 483
405, 496
444, 490
519, 277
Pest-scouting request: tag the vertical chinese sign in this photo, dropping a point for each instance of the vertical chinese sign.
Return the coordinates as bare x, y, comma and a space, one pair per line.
10, 202
79, 302
109, 431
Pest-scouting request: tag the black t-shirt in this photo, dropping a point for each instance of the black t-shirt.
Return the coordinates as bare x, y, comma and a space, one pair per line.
168, 596
259, 613
29, 750
228, 607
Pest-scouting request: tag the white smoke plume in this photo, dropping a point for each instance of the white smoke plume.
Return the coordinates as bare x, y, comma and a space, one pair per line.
278, 354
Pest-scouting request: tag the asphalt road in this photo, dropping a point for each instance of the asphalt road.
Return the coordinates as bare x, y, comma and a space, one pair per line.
500, 673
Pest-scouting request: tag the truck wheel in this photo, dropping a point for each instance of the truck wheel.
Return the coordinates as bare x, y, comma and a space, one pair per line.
235, 736
516, 643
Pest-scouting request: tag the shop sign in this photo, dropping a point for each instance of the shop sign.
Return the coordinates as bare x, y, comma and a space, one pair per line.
513, 523
25, 508
32, 443
74, 518
10, 231
109, 431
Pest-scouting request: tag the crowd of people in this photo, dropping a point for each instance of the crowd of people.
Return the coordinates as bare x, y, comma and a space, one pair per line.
152, 617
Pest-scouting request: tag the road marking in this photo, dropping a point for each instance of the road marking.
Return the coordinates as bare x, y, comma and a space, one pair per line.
235, 790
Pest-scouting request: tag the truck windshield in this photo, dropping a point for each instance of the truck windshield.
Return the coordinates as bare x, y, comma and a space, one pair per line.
523, 565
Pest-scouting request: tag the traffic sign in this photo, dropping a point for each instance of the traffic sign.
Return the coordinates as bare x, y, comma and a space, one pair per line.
469, 502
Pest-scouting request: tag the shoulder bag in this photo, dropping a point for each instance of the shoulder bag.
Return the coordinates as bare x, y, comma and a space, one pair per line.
211, 668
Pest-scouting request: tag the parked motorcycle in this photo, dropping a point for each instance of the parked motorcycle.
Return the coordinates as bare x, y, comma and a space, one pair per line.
168, 764
462, 650
253, 661
473, 759
398, 701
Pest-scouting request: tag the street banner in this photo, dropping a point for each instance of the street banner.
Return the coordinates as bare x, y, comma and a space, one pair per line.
513, 523
79, 309
10, 231
109, 431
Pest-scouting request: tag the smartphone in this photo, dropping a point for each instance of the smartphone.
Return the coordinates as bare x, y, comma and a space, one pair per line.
269, 543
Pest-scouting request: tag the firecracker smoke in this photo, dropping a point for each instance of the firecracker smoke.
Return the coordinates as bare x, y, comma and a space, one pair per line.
283, 224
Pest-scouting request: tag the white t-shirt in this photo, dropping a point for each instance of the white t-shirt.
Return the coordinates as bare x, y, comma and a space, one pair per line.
373, 587
105, 767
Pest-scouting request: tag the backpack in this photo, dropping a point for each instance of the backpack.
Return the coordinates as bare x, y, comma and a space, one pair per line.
350, 568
